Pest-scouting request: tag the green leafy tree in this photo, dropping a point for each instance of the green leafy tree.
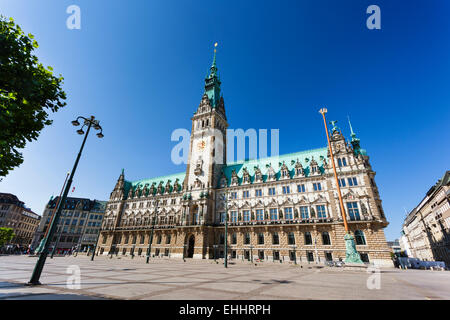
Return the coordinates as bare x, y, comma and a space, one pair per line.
6, 235
28, 93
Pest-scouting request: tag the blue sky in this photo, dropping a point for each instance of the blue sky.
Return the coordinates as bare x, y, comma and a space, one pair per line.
139, 68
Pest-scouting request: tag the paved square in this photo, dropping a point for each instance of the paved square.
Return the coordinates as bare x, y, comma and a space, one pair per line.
161, 279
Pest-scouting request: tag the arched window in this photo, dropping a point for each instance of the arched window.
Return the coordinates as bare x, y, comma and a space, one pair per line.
359, 237
308, 239
275, 238
291, 238
260, 238
326, 238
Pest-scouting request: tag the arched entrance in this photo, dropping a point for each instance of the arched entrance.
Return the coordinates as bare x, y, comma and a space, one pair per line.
191, 243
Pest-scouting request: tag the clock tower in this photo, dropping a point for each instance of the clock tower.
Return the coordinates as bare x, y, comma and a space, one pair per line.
207, 151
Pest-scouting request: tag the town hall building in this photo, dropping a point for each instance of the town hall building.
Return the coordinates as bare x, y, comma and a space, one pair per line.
277, 209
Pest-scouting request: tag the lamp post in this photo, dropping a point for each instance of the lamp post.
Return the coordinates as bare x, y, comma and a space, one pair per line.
150, 240
39, 248
351, 255
89, 122
251, 253
226, 230
95, 245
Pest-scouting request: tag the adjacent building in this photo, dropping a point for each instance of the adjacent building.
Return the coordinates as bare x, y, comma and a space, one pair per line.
278, 208
14, 214
425, 231
78, 226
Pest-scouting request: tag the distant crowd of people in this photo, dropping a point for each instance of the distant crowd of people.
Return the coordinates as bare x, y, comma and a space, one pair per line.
15, 249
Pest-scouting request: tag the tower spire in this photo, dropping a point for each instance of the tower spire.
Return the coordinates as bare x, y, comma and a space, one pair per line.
212, 82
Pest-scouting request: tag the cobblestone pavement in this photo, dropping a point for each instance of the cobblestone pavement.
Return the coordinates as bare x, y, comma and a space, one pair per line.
161, 279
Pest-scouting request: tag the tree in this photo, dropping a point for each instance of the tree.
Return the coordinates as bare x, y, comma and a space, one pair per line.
28, 92
6, 235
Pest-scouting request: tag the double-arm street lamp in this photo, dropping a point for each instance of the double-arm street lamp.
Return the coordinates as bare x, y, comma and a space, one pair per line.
351, 255
89, 122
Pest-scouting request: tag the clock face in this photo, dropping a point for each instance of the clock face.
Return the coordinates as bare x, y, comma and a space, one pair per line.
201, 145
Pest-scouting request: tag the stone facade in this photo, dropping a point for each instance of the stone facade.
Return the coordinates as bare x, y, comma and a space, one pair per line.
425, 232
14, 214
277, 208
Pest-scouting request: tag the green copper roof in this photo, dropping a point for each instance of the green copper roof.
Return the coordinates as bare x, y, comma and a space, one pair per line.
142, 183
290, 159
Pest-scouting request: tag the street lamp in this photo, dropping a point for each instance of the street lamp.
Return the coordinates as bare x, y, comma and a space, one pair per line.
149, 250
43, 256
226, 230
351, 255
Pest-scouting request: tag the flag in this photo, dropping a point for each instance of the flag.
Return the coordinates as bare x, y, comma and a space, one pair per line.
73, 189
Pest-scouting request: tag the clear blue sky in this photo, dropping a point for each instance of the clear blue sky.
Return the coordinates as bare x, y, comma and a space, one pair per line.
139, 66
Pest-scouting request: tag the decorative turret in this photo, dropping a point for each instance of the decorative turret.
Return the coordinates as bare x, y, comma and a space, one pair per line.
355, 141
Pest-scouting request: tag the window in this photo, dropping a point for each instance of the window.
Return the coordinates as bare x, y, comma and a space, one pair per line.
260, 238
158, 241
168, 239
247, 238
317, 186
301, 188
342, 162
261, 254
258, 192
272, 191
245, 194
291, 238
310, 256
259, 214
246, 215
275, 238
234, 216
341, 182
273, 214
321, 213
353, 211
288, 214
359, 237
364, 257
222, 217
233, 238
142, 239
134, 239
286, 190
328, 256
292, 256
222, 239
308, 239
233, 195
304, 212
352, 182
326, 238
276, 255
